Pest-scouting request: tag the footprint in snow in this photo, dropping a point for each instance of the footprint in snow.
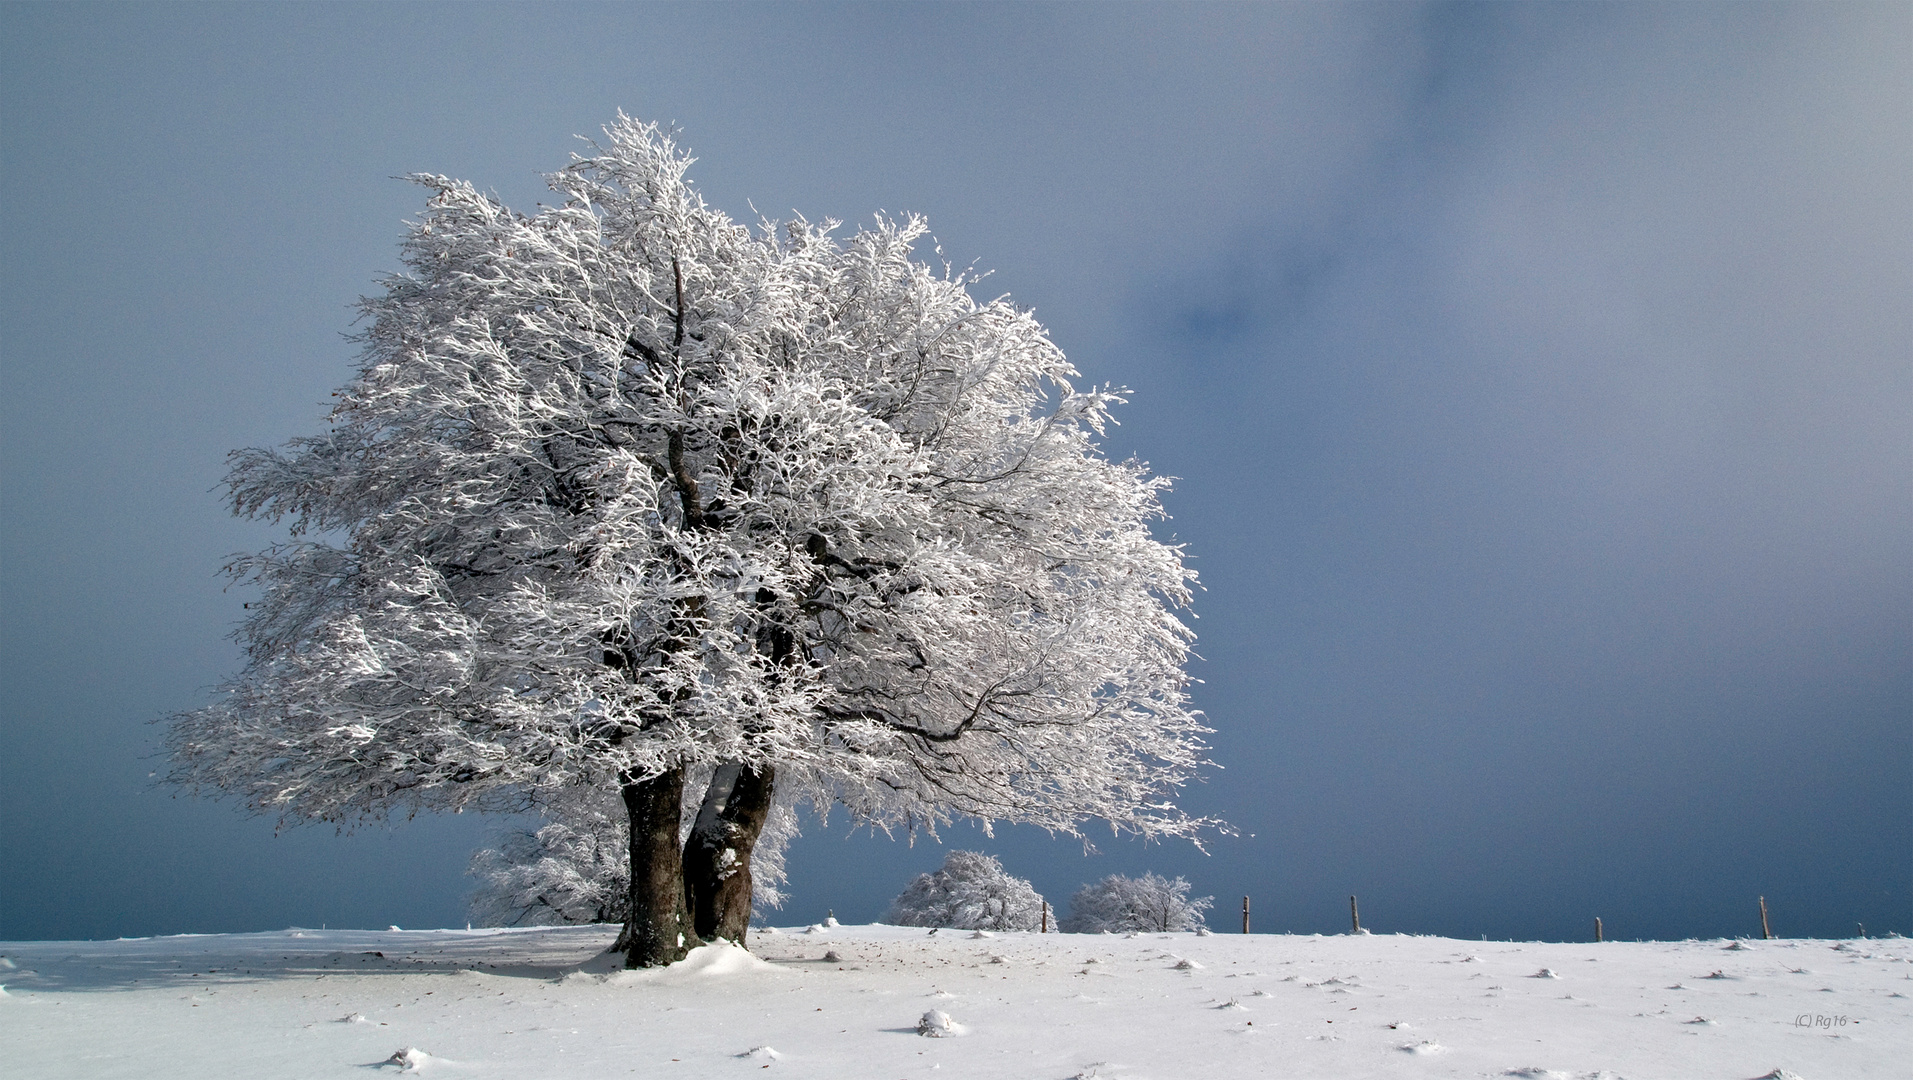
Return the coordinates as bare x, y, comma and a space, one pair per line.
1188, 965
762, 1053
1544, 973
1233, 1004
1423, 1047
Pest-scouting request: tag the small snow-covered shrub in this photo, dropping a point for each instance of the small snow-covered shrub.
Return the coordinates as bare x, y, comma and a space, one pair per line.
560, 873
971, 892
936, 1024
1150, 902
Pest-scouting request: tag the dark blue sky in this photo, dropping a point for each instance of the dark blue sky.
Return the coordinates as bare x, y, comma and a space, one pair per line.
1539, 380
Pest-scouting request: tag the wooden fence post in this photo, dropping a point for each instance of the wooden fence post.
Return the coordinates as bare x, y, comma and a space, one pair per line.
1354, 917
1597, 928
1045, 929
1765, 934
1245, 914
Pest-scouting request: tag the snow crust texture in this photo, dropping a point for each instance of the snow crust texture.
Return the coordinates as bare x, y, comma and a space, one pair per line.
545, 1002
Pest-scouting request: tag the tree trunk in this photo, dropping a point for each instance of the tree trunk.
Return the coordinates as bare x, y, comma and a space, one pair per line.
717, 856
660, 930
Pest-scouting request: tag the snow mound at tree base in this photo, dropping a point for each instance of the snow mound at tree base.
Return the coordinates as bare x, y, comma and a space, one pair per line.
716, 960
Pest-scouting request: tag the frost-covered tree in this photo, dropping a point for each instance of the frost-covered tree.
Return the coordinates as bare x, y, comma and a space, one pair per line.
1118, 904
971, 891
624, 492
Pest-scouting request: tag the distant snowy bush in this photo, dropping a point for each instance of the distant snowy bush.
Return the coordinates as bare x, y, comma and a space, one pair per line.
971, 892
557, 874
1117, 904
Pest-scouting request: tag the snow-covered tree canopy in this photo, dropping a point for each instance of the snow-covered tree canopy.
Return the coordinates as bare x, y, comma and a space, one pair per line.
971, 891
1118, 904
623, 488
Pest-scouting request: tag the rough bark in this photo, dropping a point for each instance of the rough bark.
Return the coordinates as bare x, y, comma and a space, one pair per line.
717, 855
660, 930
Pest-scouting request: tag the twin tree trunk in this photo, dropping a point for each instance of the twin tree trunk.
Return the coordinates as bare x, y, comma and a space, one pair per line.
717, 857
681, 898
658, 929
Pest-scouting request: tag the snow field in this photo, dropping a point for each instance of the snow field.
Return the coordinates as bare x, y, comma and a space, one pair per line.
899, 1003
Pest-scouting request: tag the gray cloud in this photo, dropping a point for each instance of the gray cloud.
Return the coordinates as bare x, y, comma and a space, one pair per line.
1577, 453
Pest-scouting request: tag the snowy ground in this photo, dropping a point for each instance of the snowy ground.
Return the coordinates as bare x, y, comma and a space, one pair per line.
849, 1002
